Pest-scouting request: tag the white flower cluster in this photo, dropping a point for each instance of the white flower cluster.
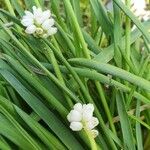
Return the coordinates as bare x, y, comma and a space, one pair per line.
39, 23
137, 7
81, 117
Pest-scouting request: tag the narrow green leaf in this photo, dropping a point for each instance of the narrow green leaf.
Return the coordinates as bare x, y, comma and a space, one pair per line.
50, 140
112, 70
101, 16
125, 124
49, 118
128, 12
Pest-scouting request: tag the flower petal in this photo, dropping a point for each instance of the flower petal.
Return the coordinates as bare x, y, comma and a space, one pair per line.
92, 123
87, 111
52, 31
46, 15
37, 11
48, 24
76, 126
88, 107
34, 8
30, 29
74, 116
78, 107
29, 14
27, 22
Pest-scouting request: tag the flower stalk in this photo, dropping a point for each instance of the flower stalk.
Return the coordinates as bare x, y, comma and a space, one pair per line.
91, 139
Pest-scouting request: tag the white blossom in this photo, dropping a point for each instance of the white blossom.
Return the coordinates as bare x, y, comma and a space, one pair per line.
138, 7
39, 23
81, 117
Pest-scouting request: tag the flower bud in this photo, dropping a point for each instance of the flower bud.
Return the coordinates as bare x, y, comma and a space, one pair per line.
94, 133
39, 30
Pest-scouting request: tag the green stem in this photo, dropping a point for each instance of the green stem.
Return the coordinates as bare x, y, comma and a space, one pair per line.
147, 143
56, 11
66, 38
127, 36
77, 28
51, 57
104, 79
140, 74
58, 72
37, 3
10, 8
74, 74
91, 139
127, 41
104, 102
138, 127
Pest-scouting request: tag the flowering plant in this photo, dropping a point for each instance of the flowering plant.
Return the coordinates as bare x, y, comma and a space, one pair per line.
84, 87
82, 117
39, 23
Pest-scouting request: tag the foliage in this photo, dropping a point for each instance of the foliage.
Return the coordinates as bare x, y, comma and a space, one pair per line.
96, 61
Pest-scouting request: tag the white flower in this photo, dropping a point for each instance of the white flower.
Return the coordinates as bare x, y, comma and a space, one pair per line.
81, 117
137, 7
39, 23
